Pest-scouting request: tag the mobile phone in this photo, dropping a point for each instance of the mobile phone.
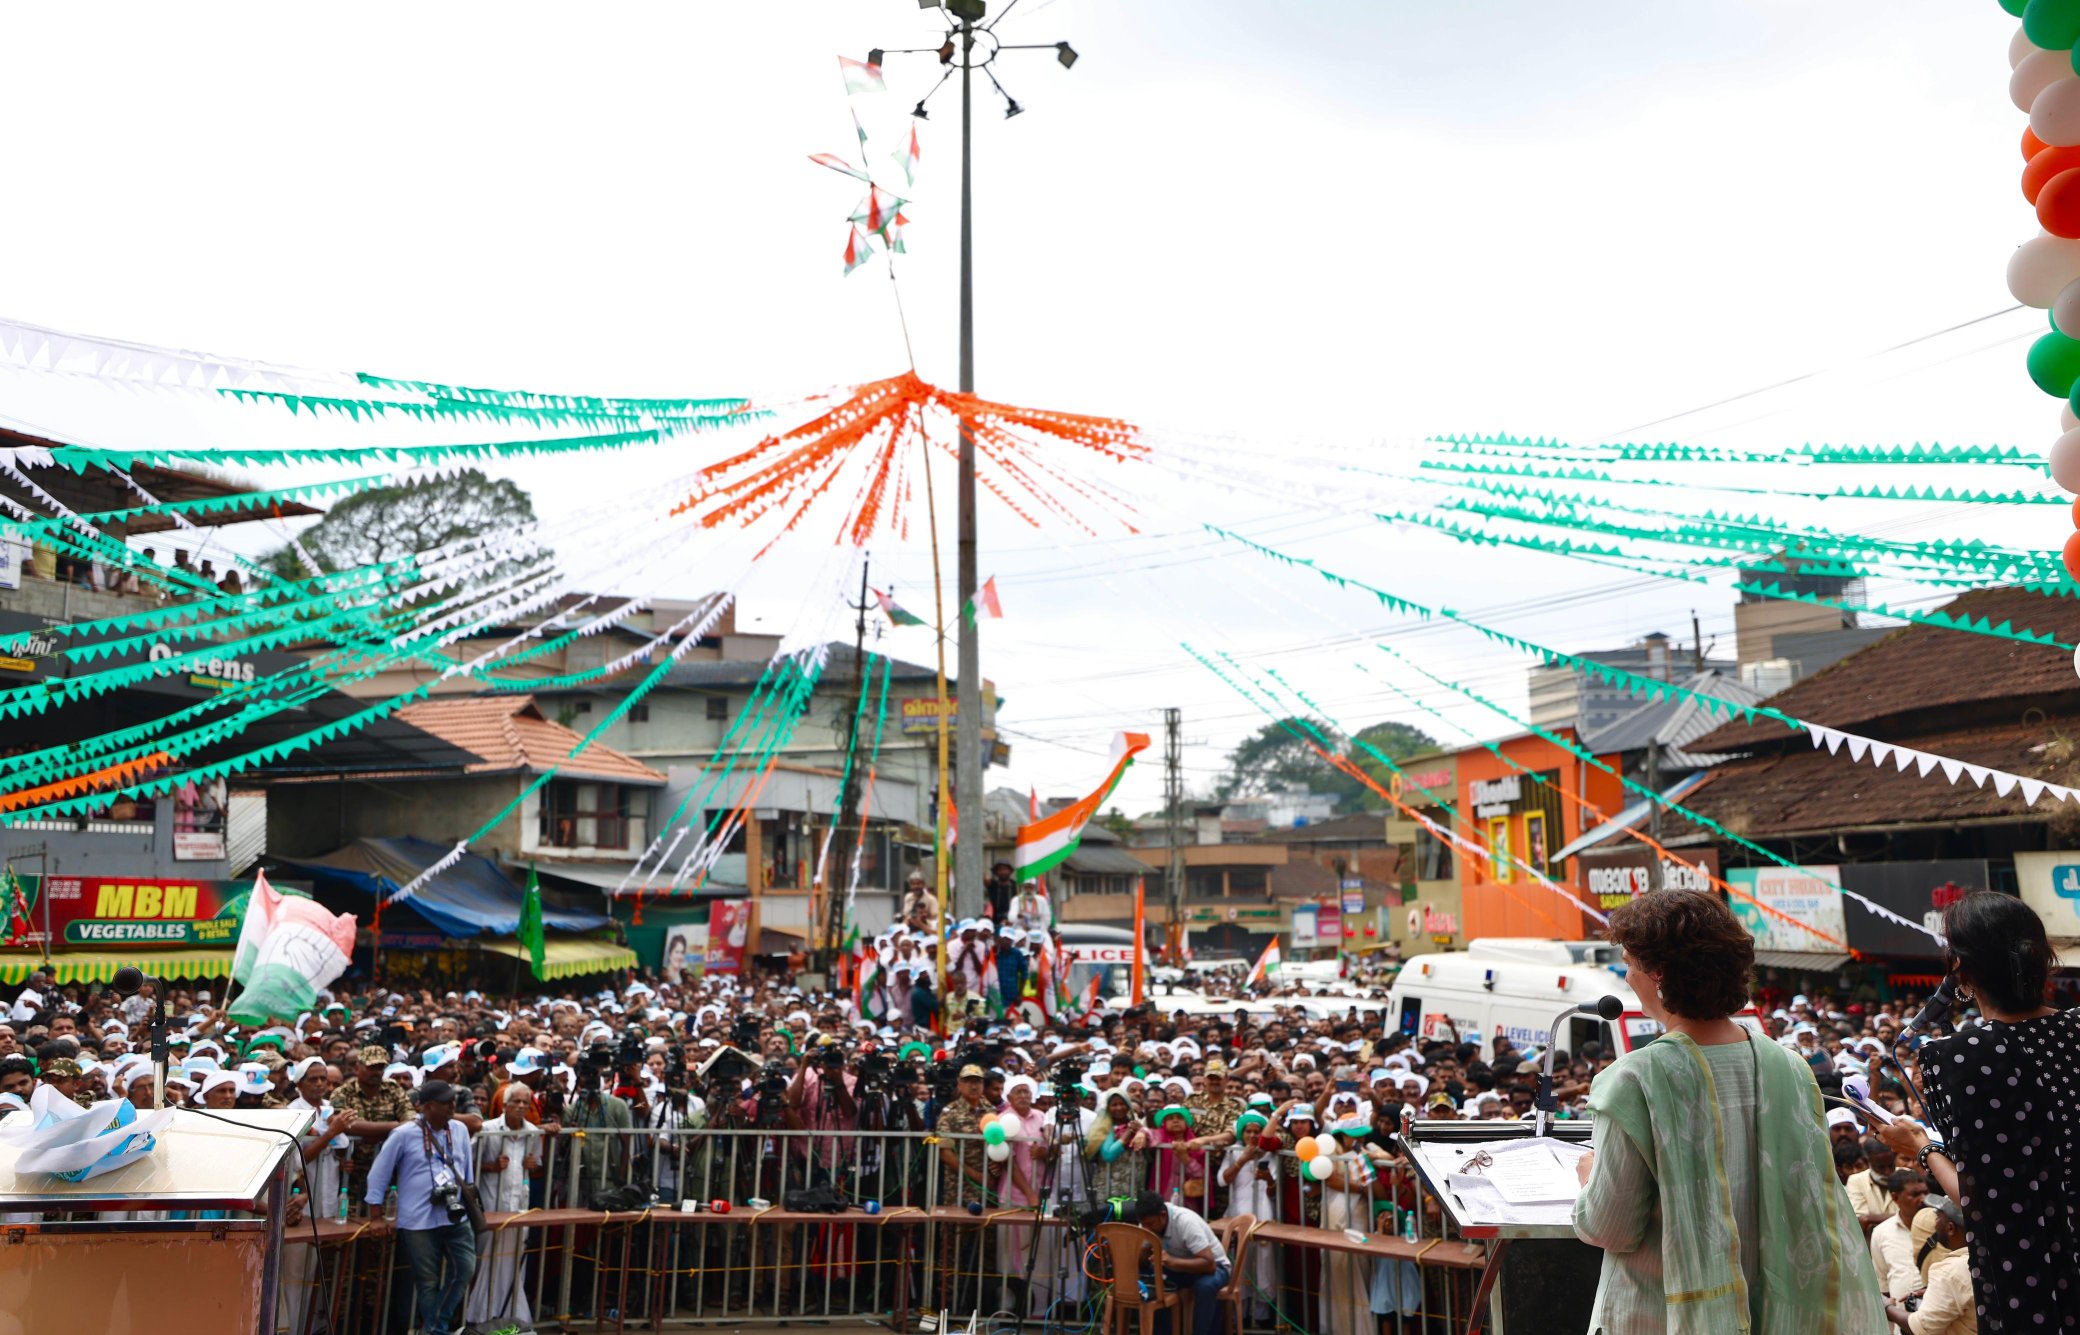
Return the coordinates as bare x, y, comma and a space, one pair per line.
1342, 1085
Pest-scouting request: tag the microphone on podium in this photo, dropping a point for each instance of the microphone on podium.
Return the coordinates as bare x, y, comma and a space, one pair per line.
1606, 1007
128, 982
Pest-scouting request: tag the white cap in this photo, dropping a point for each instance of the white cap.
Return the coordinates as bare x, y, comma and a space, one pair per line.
1841, 1117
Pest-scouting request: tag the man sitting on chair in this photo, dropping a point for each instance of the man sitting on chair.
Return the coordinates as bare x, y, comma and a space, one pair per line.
1192, 1256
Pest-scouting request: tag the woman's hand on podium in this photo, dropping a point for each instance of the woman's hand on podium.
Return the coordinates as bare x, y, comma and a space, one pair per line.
1585, 1166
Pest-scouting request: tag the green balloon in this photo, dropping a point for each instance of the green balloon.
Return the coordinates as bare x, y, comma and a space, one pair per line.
993, 1134
2054, 363
2015, 7
2052, 24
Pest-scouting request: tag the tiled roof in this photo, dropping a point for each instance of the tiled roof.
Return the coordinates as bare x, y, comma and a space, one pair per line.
1809, 789
510, 734
1922, 678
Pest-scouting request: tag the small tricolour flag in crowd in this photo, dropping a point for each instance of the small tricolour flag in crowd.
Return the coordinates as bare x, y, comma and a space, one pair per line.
984, 606
529, 933
288, 948
860, 77
1043, 844
1266, 965
897, 613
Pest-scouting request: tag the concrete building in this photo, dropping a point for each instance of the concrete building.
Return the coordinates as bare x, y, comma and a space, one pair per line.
1565, 696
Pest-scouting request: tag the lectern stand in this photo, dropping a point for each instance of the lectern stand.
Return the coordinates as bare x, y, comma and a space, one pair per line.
1539, 1276
78, 1257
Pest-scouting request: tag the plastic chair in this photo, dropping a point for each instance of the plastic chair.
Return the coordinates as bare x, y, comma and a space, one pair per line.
1127, 1247
1234, 1239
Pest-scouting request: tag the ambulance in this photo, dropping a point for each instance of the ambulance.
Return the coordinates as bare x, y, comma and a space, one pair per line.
1512, 987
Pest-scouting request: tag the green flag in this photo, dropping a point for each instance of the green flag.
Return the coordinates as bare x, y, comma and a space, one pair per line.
530, 932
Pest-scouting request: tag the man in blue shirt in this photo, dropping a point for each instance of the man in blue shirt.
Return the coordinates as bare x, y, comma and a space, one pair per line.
429, 1160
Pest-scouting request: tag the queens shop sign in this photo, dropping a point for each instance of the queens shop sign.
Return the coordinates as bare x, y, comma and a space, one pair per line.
1496, 797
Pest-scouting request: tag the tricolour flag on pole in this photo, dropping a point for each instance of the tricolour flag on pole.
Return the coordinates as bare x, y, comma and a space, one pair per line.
288, 948
984, 606
897, 613
860, 77
1266, 965
1043, 844
530, 929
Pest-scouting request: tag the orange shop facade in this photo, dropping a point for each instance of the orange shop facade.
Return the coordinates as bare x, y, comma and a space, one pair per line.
1521, 809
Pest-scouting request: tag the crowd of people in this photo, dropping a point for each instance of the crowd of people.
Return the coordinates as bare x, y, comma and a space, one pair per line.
415, 1094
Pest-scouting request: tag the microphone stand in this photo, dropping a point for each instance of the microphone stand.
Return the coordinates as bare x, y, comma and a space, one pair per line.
162, 1011
1607, 1008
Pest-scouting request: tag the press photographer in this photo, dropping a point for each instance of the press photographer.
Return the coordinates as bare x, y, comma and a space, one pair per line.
820, 1098
430, 1163
602, 1159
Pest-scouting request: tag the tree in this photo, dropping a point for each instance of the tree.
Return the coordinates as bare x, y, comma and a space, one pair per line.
389, 523
1118, 822
1282, 755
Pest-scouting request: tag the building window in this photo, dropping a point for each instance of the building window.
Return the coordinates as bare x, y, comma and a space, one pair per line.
639, 713
582, 707
1498, 849
585, 815
718, 707
1433, 857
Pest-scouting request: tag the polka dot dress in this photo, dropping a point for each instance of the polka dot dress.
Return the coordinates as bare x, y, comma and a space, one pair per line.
2006, 1098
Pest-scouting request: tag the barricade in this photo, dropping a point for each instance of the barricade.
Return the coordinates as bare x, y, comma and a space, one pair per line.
917, 1237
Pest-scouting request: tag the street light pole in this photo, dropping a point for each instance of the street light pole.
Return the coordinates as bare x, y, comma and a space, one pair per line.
967, 752
969, 761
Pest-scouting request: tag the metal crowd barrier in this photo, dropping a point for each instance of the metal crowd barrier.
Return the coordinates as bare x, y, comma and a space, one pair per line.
1320, 1261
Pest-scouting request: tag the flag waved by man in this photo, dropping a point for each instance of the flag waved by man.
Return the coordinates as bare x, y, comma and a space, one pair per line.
1046, 843
288, 948
530, 933
1266, 965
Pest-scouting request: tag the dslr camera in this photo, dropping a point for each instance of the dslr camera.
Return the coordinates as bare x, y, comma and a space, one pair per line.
448, 1196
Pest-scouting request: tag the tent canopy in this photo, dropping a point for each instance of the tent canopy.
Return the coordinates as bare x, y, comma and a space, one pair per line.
468, 899
571, 957
100, 966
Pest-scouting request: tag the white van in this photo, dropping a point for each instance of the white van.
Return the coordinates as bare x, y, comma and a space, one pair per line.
1513, 987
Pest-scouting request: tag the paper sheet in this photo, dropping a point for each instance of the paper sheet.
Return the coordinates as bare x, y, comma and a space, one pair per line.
1481, 1203
1532, 1174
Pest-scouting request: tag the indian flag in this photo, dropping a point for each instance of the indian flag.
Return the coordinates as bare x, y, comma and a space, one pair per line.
860, 77
1266, 965
1043, 844
897, 613
288, 948
985, 605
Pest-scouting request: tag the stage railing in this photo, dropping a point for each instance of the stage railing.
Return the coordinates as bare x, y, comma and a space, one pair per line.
600, 1241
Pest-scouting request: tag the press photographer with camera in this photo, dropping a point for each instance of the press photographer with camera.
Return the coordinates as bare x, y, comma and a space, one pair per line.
820, 1098
429, 1160
602, 1159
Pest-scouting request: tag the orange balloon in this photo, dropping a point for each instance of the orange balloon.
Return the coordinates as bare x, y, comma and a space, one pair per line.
2072, 556
2076, 512
2046, 165
2058, 204
2031, 145
1306, 1148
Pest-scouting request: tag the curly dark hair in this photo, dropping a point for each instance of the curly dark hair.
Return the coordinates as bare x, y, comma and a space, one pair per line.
1706, 959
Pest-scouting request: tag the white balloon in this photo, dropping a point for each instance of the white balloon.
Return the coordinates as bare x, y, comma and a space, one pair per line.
2037, 72
998, 1152
2055, 115
2065, 461
2041, 267
2067, 418
2019, 46
2066, 307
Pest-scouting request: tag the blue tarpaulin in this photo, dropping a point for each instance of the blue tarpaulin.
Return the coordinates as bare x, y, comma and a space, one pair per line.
469, 899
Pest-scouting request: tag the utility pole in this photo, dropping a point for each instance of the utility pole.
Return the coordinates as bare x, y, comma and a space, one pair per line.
967, 32
1696, 643
837, 869
1173, 831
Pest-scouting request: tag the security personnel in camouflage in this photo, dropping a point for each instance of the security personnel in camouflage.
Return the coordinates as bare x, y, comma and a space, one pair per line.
963, 1167
1214, 1109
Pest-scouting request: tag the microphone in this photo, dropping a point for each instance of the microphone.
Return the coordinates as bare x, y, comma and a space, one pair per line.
1605, 1007
1938, 1008
129, 980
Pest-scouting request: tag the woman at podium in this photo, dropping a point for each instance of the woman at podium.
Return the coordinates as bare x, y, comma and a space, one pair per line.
1711, 1185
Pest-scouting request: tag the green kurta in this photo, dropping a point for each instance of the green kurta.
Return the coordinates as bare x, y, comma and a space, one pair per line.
1813, 1273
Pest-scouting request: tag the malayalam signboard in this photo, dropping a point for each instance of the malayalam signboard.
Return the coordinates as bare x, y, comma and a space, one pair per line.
2050, 884
114, 911
1616, 875
1808, 895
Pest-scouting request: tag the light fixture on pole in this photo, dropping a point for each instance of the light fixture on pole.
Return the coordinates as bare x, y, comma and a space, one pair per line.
965, 33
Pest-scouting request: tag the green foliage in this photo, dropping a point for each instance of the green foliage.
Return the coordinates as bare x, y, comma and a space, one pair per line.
1118, 822
1277, 757
389, 523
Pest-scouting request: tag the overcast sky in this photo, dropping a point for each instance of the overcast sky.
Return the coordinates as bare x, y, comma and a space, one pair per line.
1307, 226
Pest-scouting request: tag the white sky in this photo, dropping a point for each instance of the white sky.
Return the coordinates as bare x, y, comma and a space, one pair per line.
1339, 223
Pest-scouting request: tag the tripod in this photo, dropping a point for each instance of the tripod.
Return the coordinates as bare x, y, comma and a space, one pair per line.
1068, 1131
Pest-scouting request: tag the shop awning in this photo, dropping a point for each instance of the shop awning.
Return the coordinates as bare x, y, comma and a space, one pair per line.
1632, 815
89, 966
1808, 961
569, 958
470, 898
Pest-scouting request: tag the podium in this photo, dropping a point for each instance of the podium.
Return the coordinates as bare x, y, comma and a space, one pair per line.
1539, 1277
80, 1258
